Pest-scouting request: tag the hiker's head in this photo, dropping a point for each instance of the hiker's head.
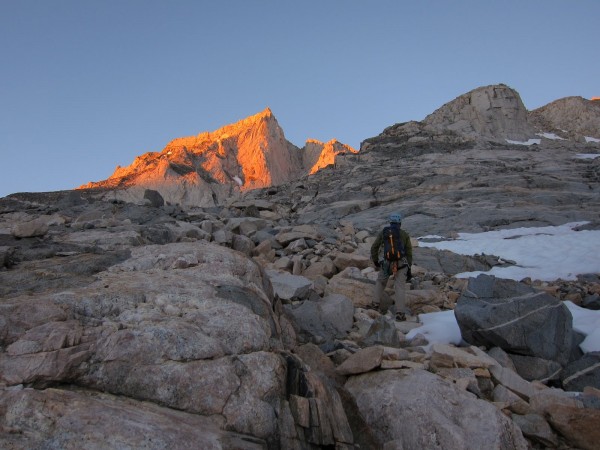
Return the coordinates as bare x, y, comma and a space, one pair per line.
396, 218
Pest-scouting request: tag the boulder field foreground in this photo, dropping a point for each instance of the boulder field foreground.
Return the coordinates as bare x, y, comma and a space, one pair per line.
131, 321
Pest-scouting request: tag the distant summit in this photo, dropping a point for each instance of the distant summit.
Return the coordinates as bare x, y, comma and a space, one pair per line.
495, 112
574, 118
211, 167
492, 115
205, 169
318, 155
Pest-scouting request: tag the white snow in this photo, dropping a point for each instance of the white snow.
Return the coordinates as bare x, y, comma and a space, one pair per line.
552, 136
546, 253
438, 328
586, 322
543, 253
587, 155
237, 180
591, 139
432, 236
529, 142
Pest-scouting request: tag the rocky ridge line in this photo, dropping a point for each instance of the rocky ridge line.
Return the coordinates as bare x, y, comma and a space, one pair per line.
211, 167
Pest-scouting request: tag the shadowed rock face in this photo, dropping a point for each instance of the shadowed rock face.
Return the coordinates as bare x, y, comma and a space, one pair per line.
518, 320
450, 190
456, 171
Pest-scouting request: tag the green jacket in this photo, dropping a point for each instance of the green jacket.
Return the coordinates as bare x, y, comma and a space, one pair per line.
376, 247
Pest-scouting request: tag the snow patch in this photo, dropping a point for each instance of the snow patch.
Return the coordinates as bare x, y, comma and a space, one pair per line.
438, 328
586, 322
587, 155
591, 139
238, 180
433, 237
540, 253
529, 142
545, 253
552, 136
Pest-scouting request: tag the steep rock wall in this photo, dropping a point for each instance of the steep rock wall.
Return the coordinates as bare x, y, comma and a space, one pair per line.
495, 112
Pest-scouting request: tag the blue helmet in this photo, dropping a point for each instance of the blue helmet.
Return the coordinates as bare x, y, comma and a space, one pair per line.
396, 218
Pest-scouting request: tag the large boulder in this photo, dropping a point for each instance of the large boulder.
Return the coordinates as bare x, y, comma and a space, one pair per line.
188, 326
534, 368
154, 198
445, 261
289, 287
343, 260
31, 228
416, 409
325, 267
351, 283
582, 373
382, 331
324, 320
298, 232
515, 317
58, 418
574, 417
536, 428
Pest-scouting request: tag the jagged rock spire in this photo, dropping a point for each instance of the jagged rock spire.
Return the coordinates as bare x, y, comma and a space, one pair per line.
203, 169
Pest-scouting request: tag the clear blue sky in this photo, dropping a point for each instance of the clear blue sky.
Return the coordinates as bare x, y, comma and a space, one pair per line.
86, 85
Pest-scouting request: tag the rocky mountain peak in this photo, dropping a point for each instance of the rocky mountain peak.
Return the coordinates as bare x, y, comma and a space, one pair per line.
204, 169
492, 115
264, 120
493, 112
208, 167
572, 118
318, 155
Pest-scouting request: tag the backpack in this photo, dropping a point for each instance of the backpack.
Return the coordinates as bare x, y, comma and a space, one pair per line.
393, 248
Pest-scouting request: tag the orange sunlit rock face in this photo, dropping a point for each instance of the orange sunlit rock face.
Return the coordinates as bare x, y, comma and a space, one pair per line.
318, 155
595, 98
249, 154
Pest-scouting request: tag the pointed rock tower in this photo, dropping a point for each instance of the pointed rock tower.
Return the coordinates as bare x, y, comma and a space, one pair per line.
204, 169
317, 155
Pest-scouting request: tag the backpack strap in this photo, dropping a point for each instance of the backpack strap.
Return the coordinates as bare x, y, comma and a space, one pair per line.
392, 243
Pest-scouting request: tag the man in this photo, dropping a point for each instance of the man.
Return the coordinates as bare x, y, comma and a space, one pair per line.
396, 261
